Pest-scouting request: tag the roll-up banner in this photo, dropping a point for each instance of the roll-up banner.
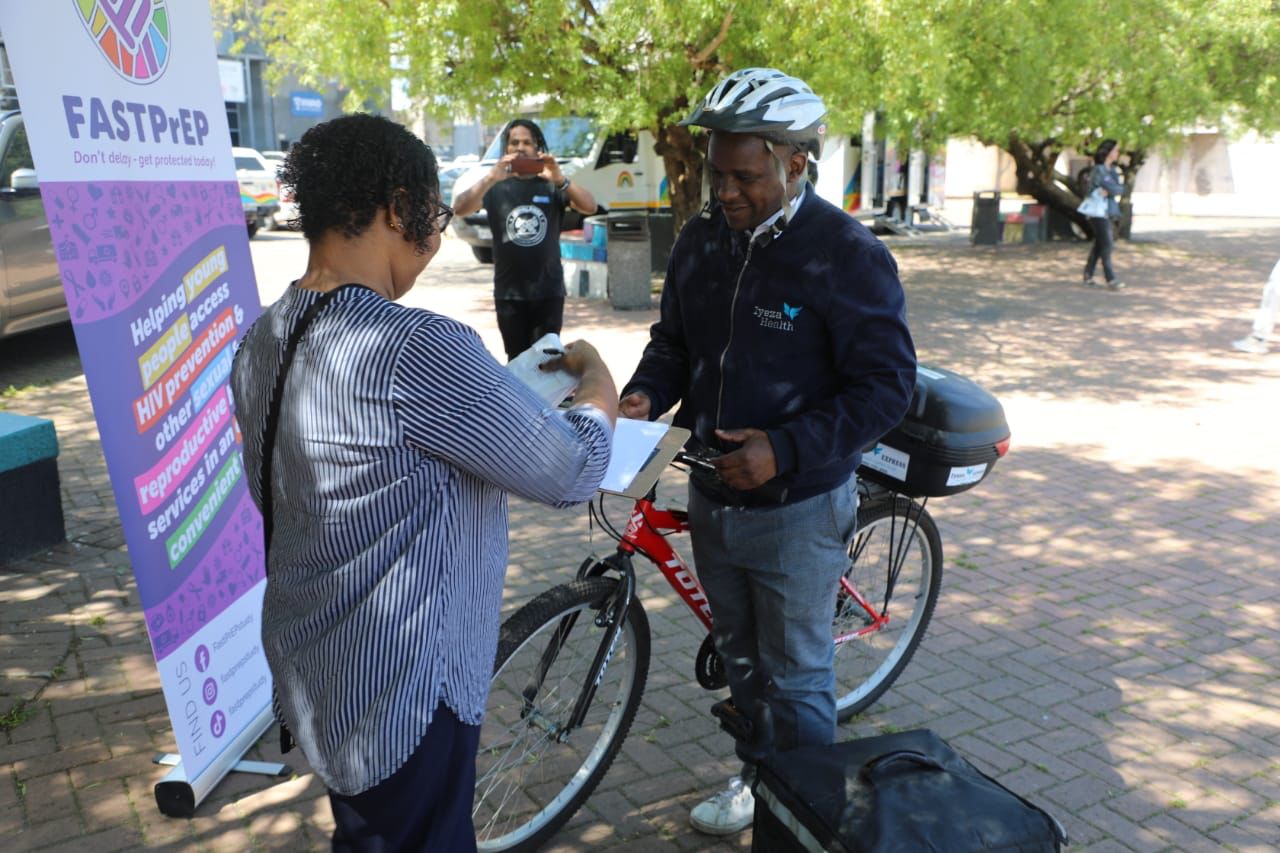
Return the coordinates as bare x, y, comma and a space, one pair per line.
123, 110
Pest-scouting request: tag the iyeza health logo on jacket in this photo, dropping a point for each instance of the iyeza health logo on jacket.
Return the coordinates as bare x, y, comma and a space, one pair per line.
133, 35
781, 320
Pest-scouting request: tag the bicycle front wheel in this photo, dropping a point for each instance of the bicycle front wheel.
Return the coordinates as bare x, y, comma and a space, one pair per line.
532, 771
885, 599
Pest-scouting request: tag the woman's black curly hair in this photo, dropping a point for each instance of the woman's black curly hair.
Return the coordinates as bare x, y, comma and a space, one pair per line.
343, 170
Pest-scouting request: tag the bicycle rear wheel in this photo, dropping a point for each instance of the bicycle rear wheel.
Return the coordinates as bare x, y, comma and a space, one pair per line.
894, 574
531, 775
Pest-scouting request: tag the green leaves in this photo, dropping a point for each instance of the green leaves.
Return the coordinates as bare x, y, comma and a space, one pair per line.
1052, 73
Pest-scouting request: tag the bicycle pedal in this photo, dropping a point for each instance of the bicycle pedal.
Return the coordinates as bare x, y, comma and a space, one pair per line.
733, 721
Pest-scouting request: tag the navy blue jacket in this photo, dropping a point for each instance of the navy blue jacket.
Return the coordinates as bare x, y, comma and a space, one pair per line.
804, 337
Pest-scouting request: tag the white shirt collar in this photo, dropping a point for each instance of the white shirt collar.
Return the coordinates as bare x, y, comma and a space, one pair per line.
763, 227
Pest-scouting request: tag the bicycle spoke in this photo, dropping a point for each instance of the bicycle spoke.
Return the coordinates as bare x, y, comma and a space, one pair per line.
885, 600
532, 771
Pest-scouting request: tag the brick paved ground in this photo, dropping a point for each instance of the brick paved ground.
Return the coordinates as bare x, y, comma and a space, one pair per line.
1105, 642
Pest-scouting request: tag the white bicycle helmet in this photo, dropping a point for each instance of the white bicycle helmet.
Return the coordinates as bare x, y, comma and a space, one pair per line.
764, 102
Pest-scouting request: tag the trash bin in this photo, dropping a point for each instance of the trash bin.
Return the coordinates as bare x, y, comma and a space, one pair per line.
661, 237
984, 228
1033, 223
628, 259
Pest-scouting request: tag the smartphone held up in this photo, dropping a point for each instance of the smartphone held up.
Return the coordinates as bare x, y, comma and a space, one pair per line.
527, 165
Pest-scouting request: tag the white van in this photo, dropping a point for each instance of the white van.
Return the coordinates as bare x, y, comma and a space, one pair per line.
620, 169
259, 190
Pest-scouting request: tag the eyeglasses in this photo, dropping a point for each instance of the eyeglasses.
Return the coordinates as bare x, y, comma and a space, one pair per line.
443, 216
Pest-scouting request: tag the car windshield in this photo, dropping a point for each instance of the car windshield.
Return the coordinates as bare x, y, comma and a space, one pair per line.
567, 137
253, 164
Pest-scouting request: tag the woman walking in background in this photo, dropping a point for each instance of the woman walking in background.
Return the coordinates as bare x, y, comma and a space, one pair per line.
1104, 179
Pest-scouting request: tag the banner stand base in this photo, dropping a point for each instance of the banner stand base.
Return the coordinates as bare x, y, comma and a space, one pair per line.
176, 796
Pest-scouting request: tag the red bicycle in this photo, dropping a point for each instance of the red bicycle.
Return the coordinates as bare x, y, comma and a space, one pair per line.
572, 663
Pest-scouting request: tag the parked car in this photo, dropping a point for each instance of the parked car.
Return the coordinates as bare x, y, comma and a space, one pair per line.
287, 214
31, 294
258, 193
449, 173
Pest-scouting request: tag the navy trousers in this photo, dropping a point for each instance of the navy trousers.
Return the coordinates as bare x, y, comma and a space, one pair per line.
423, 806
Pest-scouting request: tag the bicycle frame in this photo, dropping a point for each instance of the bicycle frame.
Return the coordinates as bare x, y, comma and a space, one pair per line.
880, 618
643, 536
649, 526
646, 534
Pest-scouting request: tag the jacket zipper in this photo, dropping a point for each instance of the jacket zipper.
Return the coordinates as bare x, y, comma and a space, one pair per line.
733, 304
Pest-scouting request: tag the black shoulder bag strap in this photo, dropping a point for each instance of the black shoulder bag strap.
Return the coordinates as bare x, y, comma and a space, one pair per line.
273, 410
269, 446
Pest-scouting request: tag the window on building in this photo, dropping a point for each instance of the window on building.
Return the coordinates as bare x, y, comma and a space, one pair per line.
233, 123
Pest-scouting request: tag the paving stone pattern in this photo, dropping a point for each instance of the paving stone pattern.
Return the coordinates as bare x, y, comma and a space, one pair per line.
1105, 642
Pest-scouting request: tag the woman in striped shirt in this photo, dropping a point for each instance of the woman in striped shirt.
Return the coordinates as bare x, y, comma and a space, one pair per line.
399, 437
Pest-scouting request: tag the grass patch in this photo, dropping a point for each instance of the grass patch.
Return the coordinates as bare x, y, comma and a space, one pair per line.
98, 621
1177, 803
13, 391
662, 723
16, 716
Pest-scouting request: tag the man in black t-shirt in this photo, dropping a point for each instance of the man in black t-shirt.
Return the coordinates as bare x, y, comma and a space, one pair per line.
525, 209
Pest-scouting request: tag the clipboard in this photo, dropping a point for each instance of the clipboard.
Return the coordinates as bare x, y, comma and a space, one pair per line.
660, 456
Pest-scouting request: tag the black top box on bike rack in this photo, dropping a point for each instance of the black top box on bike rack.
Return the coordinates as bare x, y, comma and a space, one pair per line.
951, 436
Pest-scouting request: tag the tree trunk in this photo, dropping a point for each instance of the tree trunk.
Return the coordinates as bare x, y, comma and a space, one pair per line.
1037, 178
682, 154
1060, 193
1129, 171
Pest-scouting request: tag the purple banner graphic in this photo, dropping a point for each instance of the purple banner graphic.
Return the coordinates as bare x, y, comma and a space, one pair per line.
113, 238
128, 133
160, 286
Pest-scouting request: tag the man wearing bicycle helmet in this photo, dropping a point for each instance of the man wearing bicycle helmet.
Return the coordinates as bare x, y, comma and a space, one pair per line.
783, 337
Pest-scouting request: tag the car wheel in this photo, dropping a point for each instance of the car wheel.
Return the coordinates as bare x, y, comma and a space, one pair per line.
253, 229
484, 254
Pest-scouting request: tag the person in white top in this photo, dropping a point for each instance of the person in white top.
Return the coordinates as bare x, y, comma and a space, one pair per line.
1264, 322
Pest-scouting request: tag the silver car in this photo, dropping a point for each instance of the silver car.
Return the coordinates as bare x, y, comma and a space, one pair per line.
31, 292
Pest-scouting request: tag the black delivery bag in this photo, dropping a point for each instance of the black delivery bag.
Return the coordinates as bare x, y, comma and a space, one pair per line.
952, 435
907, 791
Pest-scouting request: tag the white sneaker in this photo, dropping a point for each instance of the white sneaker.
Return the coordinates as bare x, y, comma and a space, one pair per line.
729, 811
1255, 345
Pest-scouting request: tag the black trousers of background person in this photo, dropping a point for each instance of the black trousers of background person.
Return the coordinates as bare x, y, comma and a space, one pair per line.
1103, 241
523, 321
425, 805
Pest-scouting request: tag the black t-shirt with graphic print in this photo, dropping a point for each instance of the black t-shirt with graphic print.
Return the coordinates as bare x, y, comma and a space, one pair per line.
524, 216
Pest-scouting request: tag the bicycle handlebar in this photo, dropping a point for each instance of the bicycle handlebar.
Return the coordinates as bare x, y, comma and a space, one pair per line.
710, 476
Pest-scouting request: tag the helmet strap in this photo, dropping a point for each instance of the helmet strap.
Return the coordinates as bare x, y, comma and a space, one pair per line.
780, 166
706, 192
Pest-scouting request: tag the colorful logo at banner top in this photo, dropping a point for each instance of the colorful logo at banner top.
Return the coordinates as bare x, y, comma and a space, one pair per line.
133, 35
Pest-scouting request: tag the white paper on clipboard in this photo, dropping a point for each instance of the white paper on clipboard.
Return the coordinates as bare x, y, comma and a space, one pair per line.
554, 386
641, 450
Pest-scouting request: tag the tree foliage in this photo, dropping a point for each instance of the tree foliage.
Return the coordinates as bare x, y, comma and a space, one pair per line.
631, 63
1033, 77
1036, 77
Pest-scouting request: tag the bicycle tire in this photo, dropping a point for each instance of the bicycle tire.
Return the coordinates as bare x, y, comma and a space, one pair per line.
528, 784
865, 667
